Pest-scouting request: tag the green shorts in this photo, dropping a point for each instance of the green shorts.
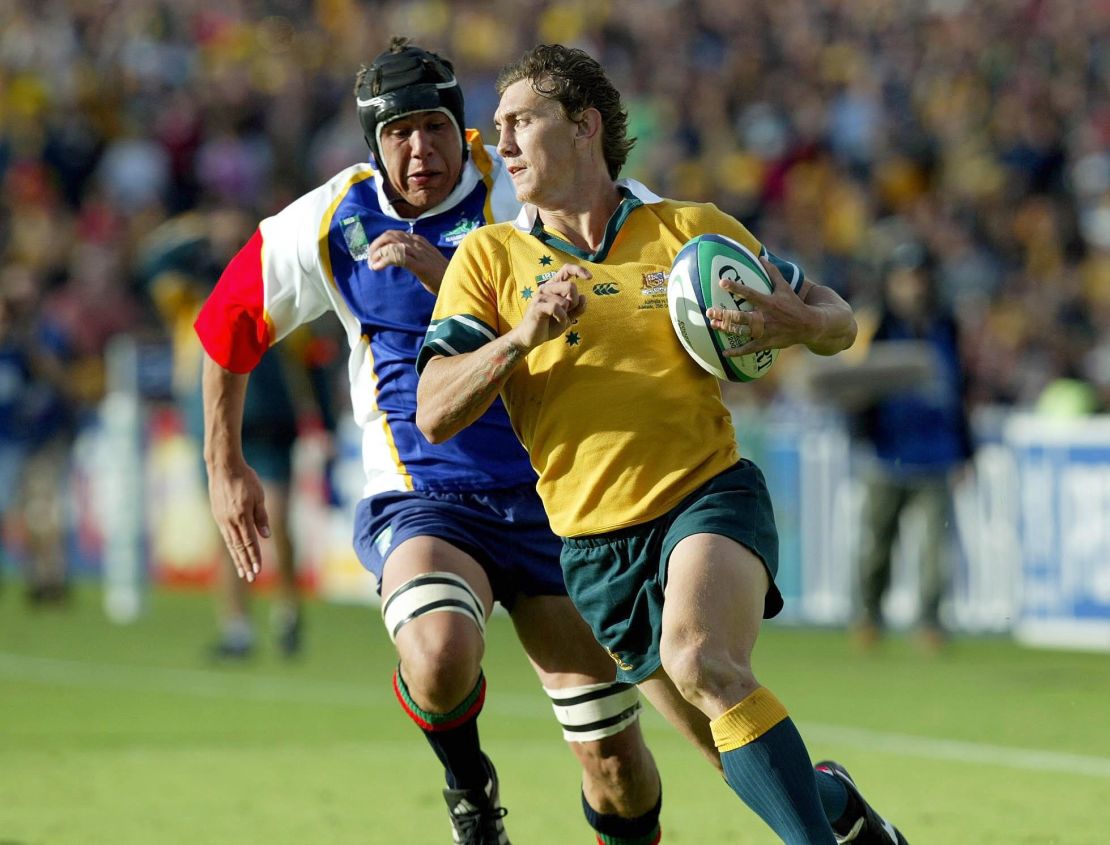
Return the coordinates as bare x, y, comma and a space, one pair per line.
616, 580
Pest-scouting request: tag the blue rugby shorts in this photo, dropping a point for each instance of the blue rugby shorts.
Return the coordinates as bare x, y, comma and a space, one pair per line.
505, 531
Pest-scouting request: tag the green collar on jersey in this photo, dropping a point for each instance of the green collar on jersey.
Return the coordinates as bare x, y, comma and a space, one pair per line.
629, 203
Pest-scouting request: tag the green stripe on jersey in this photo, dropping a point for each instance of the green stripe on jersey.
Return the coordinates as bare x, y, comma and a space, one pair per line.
454, 335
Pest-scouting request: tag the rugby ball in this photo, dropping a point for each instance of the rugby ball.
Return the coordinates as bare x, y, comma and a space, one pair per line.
694, 285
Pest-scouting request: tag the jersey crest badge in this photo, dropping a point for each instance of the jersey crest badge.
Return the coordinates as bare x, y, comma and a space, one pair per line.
654, 283
355, 236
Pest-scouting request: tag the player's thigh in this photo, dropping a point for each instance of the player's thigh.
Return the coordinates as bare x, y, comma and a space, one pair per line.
714, 599
559, 643
423, 555
436, 636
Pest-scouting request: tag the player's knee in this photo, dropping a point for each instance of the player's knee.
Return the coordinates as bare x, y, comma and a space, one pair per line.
438, 625
439, 683
439, 668
701, 671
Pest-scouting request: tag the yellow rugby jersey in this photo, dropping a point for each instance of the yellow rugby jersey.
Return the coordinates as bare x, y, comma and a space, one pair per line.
620, 423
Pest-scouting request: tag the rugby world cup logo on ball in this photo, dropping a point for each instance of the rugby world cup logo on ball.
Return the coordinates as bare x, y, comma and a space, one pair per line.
694, 285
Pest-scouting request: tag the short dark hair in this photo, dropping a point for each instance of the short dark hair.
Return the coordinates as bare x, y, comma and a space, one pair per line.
575, 80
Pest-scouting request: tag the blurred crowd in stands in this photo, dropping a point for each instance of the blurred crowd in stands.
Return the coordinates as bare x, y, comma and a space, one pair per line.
835, 128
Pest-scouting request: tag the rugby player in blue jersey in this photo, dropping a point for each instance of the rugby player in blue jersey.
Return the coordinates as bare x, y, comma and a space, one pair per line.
447, 529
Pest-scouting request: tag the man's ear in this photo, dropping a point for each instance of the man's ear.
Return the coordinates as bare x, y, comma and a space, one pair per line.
588, 124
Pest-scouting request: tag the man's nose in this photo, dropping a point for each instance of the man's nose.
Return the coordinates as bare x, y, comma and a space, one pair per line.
421, 142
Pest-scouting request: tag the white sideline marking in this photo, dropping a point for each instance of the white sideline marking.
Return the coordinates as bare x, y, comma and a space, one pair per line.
200, 682
1029, 759
220, 684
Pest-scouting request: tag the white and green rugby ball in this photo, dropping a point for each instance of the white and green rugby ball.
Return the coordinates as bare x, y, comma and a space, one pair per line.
694, 285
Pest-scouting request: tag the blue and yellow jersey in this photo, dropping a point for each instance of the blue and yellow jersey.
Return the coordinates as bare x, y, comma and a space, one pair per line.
313, 257
620, 423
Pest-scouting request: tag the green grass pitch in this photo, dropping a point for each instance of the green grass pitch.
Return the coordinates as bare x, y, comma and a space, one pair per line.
126, 735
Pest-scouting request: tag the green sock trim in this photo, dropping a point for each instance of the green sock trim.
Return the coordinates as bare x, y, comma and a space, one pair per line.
439, 719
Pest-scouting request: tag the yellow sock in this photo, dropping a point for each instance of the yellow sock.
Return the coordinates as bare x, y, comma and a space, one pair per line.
747, 721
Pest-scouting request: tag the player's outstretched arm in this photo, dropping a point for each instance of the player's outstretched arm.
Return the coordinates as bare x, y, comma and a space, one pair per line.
234, 491
454, 391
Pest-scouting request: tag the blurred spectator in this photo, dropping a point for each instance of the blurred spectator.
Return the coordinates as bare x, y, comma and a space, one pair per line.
134, 171
917, 439
987, 123
180, 263
35, 434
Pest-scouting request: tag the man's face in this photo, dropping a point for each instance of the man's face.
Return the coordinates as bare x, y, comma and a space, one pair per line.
537, 142
907, 292
423, 159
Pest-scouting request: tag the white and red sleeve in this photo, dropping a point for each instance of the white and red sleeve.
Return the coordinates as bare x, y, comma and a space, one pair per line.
232, 323
278, 281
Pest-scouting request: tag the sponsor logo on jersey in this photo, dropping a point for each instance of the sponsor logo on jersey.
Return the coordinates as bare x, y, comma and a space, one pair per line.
463, 228
606, 289
654, 284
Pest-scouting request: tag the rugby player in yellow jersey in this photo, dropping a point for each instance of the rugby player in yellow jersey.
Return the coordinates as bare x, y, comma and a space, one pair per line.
670, 547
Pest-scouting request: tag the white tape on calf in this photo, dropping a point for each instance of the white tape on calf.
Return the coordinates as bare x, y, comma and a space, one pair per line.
433, 592
594, 711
